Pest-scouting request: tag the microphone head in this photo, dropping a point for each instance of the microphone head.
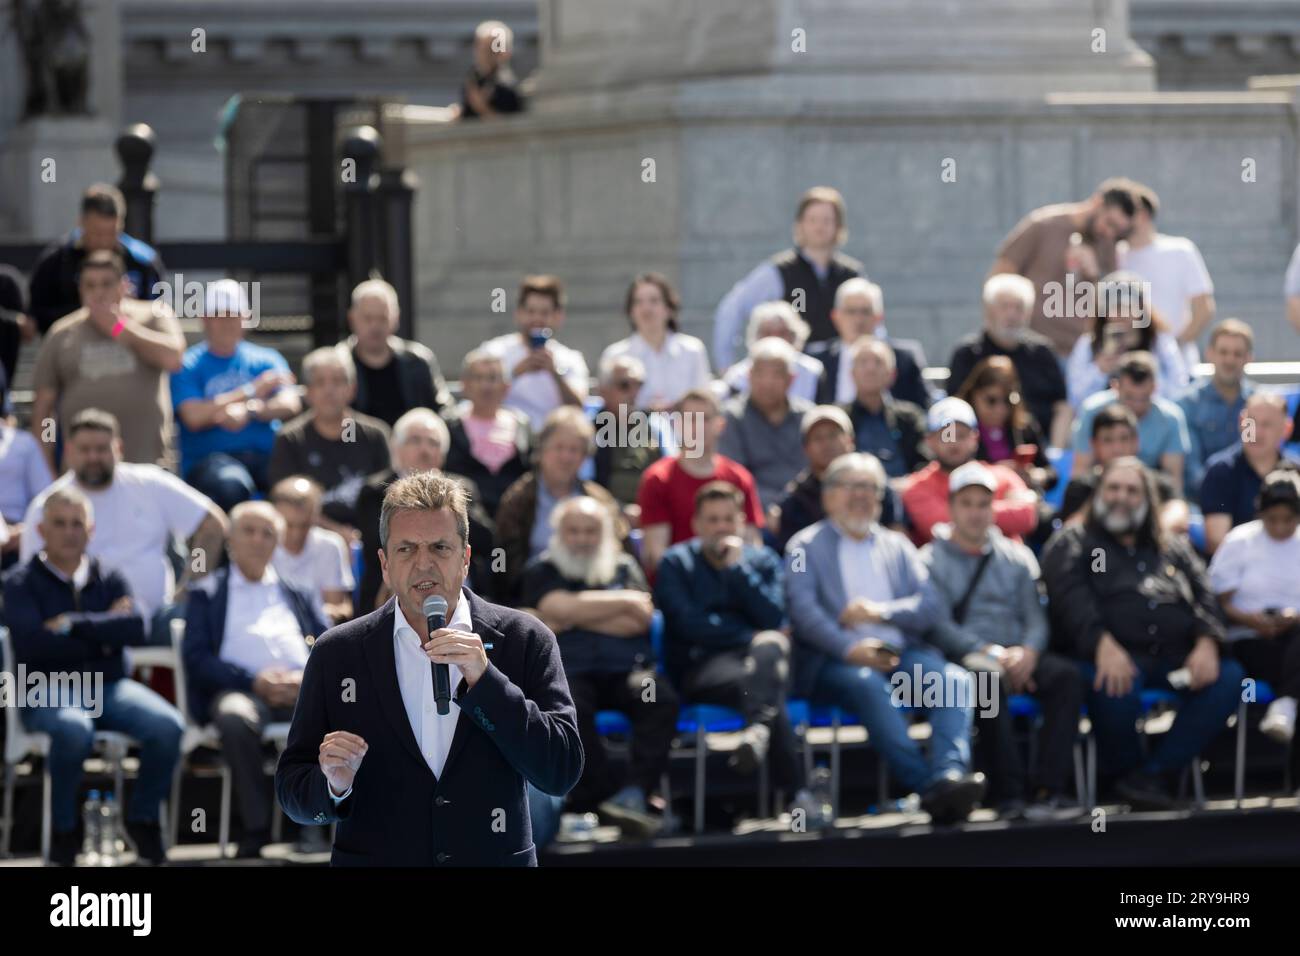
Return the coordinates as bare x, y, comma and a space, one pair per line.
435, 604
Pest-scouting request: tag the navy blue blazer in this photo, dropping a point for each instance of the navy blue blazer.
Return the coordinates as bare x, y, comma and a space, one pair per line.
909, 383
206, 674
516, 724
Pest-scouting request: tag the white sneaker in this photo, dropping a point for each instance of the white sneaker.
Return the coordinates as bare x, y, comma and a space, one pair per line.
1279, 721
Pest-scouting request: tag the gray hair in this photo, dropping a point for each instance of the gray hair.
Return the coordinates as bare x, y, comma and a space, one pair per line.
263, 508
422, 416
612, 363
378, 289
1008, 283
772, 349
335, 355
872, 344
856, 461
479, 357
561, 511
70, 494
860, 286
785, 312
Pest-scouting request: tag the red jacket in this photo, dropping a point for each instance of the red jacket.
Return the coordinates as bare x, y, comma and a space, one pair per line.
925, 499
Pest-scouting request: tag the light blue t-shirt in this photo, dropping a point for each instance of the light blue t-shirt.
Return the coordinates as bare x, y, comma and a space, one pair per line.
1161, 431
203, 375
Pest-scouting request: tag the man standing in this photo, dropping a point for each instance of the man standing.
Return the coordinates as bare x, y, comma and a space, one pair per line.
1135, 608
113, 353
1043, 247
439, 789
805, 275
1008, 305
394, 375
1213, 407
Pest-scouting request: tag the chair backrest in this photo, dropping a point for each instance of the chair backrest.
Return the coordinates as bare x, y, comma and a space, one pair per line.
18, 743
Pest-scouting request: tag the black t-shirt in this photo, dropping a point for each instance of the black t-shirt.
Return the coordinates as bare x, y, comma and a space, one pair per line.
502, 91
341, 467
581, 650
383, 391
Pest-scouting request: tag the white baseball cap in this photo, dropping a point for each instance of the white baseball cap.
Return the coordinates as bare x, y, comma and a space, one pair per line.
972, 473
225, 297
948, 410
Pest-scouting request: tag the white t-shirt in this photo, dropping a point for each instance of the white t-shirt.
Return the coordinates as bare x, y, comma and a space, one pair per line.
1261, 570
535, 393
1177, 273
866, 576
324, 564
136, 517
681, 365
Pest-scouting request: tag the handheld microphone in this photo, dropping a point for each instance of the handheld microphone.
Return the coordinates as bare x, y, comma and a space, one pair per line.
435, 616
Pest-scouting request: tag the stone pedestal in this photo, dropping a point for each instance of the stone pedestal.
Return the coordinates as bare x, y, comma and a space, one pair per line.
81, 149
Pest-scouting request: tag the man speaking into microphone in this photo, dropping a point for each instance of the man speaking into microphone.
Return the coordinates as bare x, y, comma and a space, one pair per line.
370, 746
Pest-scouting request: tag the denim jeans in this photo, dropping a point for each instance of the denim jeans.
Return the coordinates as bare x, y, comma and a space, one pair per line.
867, 694
1202, 716
129, 708
229, 478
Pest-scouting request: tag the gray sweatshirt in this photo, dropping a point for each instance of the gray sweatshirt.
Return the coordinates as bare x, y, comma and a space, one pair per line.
1006, 607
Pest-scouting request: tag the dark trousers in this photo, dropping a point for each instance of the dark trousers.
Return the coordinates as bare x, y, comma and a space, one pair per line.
240, 719
1059, 692
754, 680
653, 724
229, 478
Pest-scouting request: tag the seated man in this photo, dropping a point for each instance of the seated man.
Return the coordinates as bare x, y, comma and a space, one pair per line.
420, 443
1232, 477
953, 439
490, 445
1115, 435
669, 486
523, 520
394, 375
247, 634
592, 594
1254, 574
762, 432
331, 443
230, 397
827, 433
140, 510
992, 618
1213, 407
1163, 442
1134, 606
860, 600
68, 613
724, 610
312, 559
891, 430
777, 319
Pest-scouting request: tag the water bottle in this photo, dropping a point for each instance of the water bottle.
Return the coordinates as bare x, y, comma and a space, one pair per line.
90, 830
111, 845
819, 784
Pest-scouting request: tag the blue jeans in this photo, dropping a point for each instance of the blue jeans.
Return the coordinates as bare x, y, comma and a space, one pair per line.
544, 810
129, 708
867, 693
1202, 716
229, 478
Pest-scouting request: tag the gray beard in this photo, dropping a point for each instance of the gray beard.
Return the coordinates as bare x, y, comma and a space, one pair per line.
596, 570
1113, 523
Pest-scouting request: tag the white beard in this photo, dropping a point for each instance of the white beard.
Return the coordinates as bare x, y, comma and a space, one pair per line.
596, 570
1112, 522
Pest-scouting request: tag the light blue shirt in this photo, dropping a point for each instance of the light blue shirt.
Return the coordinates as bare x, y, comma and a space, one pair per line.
1212, 425
1161, 431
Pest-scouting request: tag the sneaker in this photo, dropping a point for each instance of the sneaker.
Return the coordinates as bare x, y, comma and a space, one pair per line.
1012, 808
1053, 808
628, 811
1145, 791
1279, 720
952, 797
752, 749
147, 839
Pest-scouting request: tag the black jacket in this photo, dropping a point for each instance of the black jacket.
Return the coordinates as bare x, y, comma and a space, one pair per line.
906, 423
818, 296
419, 378
34, 594
369, 503
517, 724
462, 461
54, 290
909, 384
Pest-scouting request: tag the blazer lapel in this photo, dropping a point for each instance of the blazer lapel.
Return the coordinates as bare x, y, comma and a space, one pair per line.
383, 667
489, 635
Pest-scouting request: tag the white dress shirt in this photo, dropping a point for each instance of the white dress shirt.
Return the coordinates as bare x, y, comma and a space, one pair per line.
433, 731
681, 365
261, 629
535, 393
865, 576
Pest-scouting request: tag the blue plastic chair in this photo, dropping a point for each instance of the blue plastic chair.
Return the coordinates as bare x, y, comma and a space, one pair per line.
1062, 459
358, 569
